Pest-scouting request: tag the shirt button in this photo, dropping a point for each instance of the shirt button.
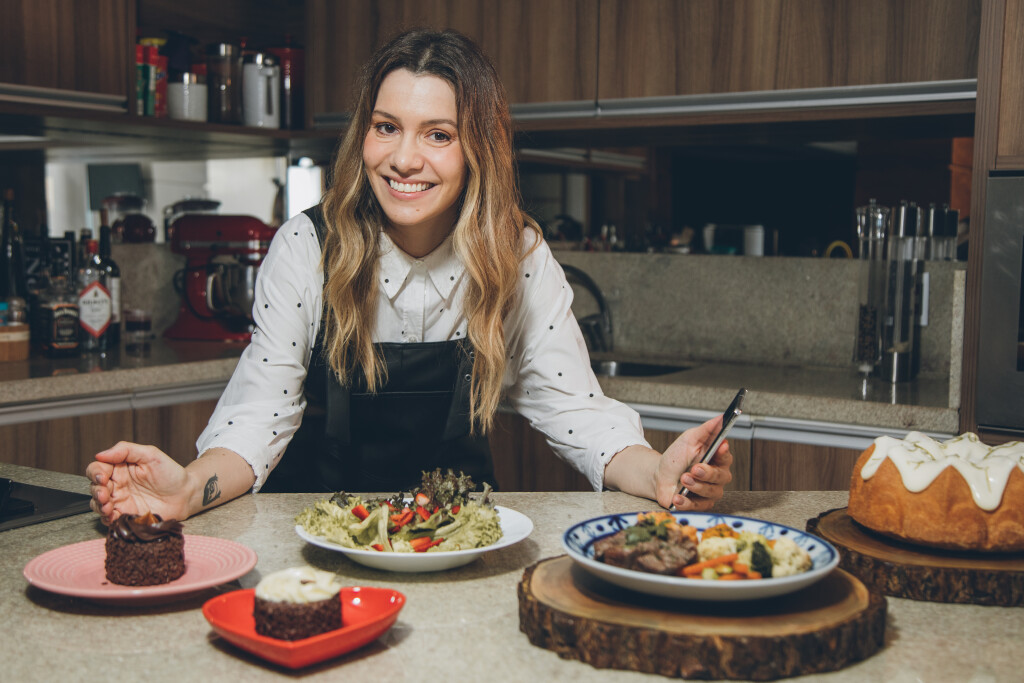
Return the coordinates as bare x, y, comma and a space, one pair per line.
413, 338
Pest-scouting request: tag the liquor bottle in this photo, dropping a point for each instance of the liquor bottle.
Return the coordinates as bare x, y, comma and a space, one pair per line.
113, 272
93, 302
12, 259
58, 318
81, 252
38, 286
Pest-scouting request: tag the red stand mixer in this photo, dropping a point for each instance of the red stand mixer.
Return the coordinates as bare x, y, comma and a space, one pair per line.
223, 255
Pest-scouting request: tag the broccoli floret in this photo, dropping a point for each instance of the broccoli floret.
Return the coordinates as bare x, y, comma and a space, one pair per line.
761, 559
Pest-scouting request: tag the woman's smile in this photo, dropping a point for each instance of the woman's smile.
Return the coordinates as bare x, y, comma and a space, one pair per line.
414, 159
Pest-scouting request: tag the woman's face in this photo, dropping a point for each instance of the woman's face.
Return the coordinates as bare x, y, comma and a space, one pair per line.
413, 158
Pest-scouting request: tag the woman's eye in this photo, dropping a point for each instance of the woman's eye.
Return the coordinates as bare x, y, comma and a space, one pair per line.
438, 136
385, 128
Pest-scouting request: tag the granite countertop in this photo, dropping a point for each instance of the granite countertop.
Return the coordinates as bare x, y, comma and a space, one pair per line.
816, 394
460, 624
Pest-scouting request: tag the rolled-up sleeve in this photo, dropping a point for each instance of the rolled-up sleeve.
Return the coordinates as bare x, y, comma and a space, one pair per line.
262, 406
550, 381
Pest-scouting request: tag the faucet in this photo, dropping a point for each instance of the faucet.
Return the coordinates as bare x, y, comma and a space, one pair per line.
597, 327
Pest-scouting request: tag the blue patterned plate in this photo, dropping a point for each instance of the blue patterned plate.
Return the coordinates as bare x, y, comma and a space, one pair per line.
579, 539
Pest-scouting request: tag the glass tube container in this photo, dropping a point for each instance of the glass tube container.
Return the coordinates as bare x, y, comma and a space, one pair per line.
872, 225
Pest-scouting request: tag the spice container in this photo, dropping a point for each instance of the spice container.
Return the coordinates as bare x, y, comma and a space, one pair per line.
223, 81
186, 97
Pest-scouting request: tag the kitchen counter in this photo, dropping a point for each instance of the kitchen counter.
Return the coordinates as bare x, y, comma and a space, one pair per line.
457, 625
828, 395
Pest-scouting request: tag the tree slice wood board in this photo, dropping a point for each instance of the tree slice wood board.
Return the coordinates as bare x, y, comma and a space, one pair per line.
824, 627
904, 570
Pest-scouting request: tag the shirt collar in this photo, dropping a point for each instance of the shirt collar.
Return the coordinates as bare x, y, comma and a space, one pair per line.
443, 267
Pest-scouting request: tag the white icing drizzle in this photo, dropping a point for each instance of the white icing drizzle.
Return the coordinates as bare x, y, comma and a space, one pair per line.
920, 459
298, 585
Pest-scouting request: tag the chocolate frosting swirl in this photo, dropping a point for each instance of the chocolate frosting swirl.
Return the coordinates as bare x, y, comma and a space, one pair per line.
144, 528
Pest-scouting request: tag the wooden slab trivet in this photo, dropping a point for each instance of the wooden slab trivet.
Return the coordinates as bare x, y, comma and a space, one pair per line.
823, 627
903, 570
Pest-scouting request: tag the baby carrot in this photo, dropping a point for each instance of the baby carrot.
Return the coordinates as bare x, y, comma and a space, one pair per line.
733, 576
698, 567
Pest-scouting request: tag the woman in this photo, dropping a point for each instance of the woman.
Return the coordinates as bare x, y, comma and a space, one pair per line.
393, 319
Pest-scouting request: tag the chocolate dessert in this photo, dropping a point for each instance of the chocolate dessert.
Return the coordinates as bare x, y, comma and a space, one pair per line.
297, 603
144, 550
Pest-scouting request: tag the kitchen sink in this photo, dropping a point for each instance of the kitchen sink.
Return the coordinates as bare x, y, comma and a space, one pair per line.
618, 368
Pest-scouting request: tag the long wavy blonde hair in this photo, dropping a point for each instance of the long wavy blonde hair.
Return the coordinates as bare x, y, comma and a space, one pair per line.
488, 234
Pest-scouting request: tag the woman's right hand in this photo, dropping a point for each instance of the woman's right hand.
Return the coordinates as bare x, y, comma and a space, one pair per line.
131, 479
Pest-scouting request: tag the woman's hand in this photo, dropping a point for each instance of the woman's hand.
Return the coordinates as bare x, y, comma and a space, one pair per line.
130, 479
677, 468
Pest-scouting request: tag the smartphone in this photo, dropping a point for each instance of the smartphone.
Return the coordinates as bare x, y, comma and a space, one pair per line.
734, 410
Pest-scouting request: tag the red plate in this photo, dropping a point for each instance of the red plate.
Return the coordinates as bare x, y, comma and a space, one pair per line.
366, 614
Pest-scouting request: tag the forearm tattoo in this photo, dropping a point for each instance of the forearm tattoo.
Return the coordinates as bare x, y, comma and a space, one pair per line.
212, 491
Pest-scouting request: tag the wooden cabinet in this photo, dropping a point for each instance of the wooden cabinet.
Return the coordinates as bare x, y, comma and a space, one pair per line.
651, 48
779, 466
68, 45
543, 50
64, 444
523, 461
68, 444
174, 429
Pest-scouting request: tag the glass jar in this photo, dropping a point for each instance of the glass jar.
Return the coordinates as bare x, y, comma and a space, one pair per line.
223, 83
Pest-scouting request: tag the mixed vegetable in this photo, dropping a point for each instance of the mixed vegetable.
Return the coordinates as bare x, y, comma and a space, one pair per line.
439, 515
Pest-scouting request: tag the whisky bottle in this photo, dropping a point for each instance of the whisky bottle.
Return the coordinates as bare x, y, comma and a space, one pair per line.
93, 302
113, 272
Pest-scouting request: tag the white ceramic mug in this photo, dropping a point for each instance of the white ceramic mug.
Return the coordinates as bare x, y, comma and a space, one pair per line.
261, 91
186, 99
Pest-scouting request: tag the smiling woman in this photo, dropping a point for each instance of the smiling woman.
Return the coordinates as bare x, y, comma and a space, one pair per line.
414, 159
394, 317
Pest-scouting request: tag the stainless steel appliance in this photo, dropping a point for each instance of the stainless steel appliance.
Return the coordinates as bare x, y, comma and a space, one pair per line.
1000, 388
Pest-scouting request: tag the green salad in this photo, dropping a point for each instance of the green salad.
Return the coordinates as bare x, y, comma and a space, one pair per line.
438, 516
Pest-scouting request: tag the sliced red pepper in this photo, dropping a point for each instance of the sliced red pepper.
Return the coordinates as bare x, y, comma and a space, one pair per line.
422, 512
423, 543
455, 509
422, 499
402, 518
360, 512
378, 547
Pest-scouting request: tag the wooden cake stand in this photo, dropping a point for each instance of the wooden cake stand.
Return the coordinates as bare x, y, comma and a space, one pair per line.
909, 571
826, 626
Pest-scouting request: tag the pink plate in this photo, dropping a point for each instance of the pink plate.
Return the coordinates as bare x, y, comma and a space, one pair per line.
366, 614
78, 570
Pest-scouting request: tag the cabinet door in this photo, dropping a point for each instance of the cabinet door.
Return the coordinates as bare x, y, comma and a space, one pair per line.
65, 444
779, 466
740, 449
67, 45
652, 48
523, 461
174, 429
543, 50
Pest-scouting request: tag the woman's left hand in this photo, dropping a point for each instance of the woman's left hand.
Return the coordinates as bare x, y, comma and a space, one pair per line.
677, 468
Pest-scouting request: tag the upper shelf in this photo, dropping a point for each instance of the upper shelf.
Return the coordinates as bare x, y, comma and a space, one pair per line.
914, 110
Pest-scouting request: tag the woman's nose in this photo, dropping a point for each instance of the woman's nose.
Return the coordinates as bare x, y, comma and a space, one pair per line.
406, 157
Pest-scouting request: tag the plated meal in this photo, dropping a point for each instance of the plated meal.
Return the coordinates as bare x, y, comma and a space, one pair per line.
959, 494
438, 525
659, 544
699, 556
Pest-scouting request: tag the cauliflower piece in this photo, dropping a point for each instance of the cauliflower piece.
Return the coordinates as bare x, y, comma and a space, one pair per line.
715, 546
788, 558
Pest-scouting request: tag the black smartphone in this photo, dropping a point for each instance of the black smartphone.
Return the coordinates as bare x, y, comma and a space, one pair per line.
734, 410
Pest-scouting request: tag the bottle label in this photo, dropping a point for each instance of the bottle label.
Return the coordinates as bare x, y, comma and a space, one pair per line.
62, 327
94, 309
115, 300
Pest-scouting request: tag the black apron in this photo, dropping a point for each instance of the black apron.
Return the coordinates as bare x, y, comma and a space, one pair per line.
418, 420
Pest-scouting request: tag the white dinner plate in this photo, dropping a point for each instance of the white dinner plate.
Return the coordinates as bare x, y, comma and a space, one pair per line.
515, 526
579, 539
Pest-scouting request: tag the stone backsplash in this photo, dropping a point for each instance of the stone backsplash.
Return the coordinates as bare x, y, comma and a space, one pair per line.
776, 311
